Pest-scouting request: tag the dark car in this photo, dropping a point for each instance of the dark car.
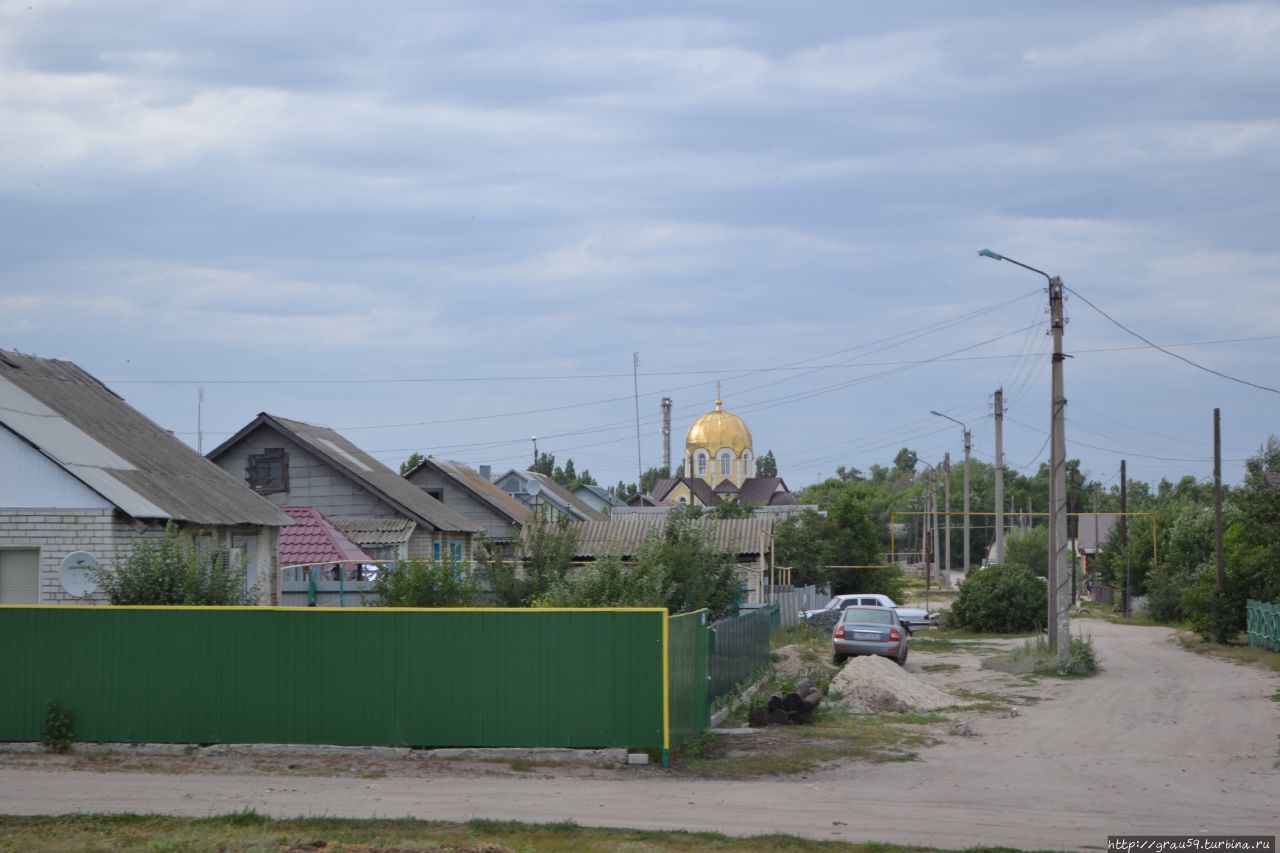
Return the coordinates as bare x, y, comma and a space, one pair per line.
869, 631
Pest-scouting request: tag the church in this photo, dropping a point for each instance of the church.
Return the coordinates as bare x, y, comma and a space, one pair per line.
719, 465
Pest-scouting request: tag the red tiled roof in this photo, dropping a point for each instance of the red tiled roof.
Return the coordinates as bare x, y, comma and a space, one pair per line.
312, 539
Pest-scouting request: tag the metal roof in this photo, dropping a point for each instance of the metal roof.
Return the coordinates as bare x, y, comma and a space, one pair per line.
314, 540
623, 535
1094, 529
111, 447
359, 466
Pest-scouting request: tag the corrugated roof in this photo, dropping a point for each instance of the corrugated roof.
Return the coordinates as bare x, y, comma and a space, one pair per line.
344, 456
622, 536
481, 488
114, 449
603, 494
314, 540
375, 530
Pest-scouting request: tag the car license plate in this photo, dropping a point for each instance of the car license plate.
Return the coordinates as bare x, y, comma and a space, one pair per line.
865, 635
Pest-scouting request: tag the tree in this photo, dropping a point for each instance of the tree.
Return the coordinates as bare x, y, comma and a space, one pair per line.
424, 583
548, 550
731, 508
766, 465
171, 570
415, 459
626, 491
802, 542
1029, 548
1003, 599
699, 576
545, 464
608, 583
905, 460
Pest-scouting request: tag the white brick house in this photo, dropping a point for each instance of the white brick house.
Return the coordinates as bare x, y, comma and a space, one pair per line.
83, 473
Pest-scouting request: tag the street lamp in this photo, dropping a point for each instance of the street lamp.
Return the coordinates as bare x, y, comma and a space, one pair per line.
1059, 577
968, 442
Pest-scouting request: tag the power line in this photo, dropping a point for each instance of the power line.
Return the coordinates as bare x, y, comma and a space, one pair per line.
1167, 352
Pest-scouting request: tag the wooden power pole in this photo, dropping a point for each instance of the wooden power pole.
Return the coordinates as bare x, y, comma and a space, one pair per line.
1217, 501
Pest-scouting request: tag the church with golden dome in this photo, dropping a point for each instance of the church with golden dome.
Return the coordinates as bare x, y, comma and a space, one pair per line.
719, 465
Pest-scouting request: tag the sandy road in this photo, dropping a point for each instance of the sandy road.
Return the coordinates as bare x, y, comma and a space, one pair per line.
1162, 741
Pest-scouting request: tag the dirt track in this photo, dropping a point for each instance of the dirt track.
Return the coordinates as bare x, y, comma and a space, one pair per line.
1162, 741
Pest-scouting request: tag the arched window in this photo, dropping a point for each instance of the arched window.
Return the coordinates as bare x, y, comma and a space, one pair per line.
746, 463
726, 463
701, 463
682, 501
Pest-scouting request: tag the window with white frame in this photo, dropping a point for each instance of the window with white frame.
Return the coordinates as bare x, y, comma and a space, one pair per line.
726, 463
700, 463
746, 463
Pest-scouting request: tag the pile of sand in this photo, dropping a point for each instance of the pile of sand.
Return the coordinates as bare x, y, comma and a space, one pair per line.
799, 662
871, 684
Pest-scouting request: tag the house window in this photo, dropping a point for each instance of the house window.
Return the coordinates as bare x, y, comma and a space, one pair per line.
438, 494
435, 550
682, 501
269, 471
726, 464
455, 550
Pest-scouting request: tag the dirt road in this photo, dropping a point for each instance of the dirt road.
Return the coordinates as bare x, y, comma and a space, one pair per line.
1162, 741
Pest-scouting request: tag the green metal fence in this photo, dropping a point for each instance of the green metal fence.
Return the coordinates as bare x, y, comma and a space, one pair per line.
687, 656
739, 646
476, 677
1264, 624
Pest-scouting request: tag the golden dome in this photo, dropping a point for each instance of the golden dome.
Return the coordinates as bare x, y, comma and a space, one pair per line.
718, 429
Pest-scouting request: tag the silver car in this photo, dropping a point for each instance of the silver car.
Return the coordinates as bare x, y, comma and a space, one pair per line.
869, 631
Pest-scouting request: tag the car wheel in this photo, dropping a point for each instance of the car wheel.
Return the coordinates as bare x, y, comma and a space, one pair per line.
838, 658
902, 661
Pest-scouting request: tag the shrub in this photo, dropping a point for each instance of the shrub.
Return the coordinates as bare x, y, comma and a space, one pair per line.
424, 583
1216, 616
607, 583
57, 728
1004, 599
171, 570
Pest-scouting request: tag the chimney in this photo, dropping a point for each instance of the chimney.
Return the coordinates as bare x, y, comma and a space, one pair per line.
486, 472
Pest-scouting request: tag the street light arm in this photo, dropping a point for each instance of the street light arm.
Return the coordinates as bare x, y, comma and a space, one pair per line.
996, 256
948, 417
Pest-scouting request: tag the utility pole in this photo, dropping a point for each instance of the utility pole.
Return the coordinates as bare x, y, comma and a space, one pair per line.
1124, 535
933, 499
999, 555
534, 439
968, 445
666, 435
1060, 630
200, 421
946, 501
635, 379
1217, 501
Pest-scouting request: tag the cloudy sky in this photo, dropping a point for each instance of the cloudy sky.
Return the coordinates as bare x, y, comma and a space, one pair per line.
447, 227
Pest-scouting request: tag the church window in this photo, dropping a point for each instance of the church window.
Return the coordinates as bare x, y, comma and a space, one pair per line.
682, 501
726, 464
701, 463
746, 463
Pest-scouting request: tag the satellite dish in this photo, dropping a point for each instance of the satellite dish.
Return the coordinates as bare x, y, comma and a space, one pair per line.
76, 573
533, 486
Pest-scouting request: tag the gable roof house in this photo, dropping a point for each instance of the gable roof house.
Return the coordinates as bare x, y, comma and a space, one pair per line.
547, 498
696, 491
296, 464
601, 500
84, 476
499, 516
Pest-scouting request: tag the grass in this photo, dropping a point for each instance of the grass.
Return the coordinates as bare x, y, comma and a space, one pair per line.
1244, 655
940, 667
785, 750
248, 831
1035, 659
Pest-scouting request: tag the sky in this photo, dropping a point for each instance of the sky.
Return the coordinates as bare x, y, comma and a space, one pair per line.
449, 227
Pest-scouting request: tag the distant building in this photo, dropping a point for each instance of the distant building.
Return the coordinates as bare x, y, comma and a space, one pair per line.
719, 462
84, 477
601, 500
547, 498
499, 516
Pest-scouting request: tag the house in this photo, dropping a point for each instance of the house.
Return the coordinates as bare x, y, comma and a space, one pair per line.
547, 498
499, 516
84, 476
696, 491
296, 464
1092, 532
601, 500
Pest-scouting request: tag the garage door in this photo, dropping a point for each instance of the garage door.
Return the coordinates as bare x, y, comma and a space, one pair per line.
19, 577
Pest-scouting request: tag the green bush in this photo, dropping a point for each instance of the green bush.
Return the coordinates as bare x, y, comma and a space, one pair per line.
1006, 599
608, 583
172, 570
424, 583
1216, 616
57, 735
